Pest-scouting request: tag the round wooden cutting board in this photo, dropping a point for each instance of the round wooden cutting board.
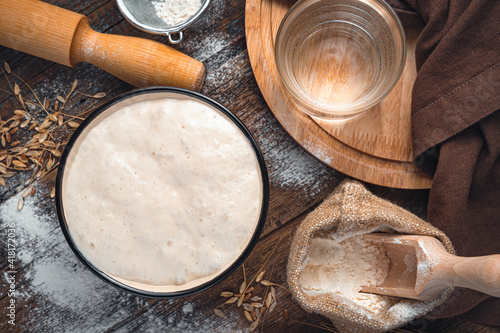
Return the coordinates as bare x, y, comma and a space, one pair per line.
375, 147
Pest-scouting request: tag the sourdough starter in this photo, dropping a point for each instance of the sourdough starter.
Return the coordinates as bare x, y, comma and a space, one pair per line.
163, 193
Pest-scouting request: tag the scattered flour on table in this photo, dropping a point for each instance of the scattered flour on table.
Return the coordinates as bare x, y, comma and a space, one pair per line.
175, 12
61, 295
50, 88
59, 283
290, 166
318, 150
208, 47
216, 82
343, 267
216, 12
187, 308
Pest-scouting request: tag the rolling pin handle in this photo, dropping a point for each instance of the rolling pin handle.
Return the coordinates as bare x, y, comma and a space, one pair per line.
138, 61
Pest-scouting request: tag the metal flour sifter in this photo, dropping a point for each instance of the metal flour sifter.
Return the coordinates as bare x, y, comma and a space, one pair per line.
142, 14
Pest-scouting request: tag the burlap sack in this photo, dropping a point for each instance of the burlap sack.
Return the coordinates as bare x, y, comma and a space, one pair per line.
352, 210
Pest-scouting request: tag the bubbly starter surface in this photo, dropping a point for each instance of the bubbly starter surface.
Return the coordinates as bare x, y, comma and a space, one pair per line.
163, 192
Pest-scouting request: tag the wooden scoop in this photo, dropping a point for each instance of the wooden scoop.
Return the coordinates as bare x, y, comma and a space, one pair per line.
421, 268
65, 37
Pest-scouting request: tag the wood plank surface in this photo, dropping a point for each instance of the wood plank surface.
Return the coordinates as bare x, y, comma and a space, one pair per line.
56, 293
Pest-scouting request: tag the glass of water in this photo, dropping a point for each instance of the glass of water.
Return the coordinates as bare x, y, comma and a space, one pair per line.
339, 58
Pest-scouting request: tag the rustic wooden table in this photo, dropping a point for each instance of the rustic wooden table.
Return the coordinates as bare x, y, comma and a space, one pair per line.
55, 293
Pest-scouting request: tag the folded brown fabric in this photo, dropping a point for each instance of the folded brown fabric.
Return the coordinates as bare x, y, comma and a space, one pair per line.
456, 130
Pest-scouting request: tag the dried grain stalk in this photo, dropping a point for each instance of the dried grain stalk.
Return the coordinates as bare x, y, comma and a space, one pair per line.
254, 308
41, 151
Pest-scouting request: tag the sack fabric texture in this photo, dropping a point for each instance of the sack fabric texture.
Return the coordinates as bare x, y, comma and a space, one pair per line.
349, 211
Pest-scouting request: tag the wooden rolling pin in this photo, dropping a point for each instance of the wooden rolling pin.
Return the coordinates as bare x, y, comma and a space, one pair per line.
65, 37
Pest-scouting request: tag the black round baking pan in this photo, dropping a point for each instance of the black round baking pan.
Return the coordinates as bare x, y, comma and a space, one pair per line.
155, 93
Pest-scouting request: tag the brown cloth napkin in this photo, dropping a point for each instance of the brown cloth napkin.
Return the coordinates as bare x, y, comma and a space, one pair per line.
456, 130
